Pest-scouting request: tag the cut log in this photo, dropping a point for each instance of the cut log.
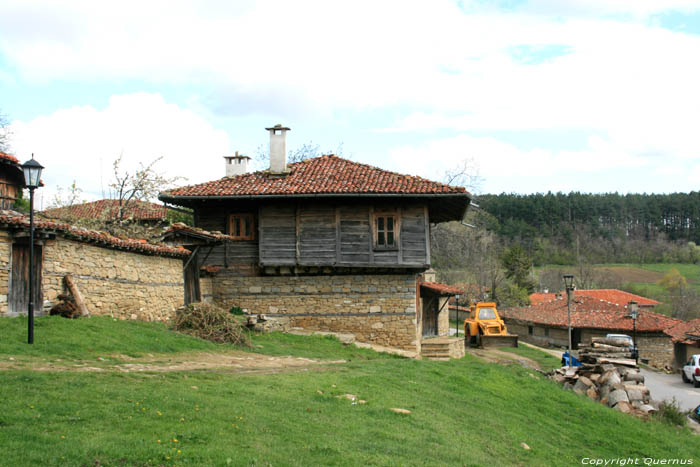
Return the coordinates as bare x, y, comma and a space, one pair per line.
614, 348
619, 395
637, 377
77, 296
614, 341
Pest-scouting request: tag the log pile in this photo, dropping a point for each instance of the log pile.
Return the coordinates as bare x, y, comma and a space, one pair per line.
609, 375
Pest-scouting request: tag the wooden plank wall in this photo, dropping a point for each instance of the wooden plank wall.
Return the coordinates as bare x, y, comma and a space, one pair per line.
320, 234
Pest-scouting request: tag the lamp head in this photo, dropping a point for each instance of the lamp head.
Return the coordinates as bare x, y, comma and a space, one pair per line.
32, 173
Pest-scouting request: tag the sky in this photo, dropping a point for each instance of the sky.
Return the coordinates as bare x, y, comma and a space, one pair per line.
530, 95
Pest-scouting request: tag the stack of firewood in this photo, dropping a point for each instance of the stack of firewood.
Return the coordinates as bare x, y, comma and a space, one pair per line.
608, 374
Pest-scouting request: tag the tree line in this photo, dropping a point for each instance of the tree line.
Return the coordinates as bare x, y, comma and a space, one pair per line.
560, 228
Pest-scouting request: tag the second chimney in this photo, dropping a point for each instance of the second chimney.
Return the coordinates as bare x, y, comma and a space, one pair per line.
236, 165
278, 149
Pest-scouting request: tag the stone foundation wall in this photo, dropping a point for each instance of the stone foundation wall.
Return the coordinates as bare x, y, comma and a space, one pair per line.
379, 309
123, 284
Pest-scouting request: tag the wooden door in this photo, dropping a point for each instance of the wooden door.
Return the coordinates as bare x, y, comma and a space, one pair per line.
430, 316
192, 291
18, 300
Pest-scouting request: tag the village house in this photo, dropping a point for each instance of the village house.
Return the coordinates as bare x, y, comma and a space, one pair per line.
11, 180
546, 324
325, 244
686, 341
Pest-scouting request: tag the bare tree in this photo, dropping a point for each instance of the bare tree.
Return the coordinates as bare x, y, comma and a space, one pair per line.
142, 184
66, 197
466, 174
4, 134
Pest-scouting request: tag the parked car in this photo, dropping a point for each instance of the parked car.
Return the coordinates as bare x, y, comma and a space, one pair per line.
633, 348
691, 371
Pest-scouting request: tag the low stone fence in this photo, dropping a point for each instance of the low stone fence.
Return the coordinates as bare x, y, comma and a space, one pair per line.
114, 282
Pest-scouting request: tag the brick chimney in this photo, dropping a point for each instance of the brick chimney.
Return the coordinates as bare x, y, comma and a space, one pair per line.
278, 149
236, 165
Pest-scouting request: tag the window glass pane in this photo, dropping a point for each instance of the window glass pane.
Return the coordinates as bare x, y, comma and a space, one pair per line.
390, 238
380, 238
390, 223
236, 226
246, 231
380, 223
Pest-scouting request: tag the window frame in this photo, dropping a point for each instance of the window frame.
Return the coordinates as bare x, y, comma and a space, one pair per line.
242, 216
395, 231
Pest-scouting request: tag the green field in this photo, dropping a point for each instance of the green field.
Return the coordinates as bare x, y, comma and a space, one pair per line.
462, 412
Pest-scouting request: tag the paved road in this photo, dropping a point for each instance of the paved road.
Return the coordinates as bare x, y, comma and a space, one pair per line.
663, 386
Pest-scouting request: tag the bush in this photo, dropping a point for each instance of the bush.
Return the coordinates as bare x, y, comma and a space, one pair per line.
210, 322
671, 413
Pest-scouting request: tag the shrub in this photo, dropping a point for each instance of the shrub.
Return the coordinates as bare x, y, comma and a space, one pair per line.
210, 322
670, 412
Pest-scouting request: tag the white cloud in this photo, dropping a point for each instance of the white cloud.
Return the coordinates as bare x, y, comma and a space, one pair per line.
81, 143
604, 165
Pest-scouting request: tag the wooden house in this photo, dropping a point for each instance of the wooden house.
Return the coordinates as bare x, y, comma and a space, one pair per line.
326, 244
11, 180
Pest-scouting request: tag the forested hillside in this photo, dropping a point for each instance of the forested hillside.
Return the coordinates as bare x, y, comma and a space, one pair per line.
560, 228
516, 244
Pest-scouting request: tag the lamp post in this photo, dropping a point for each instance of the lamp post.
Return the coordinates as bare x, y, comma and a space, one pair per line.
457, 313
569, 284
32, 176
634, 314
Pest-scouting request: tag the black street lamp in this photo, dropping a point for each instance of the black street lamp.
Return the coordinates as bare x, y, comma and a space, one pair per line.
569, 284
634, 314
457, 313
32, 178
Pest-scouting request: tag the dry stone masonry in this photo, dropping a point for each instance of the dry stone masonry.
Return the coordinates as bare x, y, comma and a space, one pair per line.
380, 309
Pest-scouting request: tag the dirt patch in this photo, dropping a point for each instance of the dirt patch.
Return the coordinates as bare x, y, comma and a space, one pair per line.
503, 358
229, 362
632, 274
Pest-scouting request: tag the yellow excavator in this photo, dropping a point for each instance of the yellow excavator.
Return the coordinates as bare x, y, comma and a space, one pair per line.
485, 328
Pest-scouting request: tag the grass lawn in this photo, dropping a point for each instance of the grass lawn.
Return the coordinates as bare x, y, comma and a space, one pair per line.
463, 412
545, 360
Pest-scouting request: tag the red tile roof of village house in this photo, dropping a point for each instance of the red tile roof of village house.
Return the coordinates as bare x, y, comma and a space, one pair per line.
685, 332
16, 219
589, 312
9, 157
609, 295
108, 208
328, 174
442, 289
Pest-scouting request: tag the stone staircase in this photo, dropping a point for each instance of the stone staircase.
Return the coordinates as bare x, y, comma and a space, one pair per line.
442, 348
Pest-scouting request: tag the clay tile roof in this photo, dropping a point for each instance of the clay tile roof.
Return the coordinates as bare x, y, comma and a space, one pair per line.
328, 174
685, 332
8, 157
609, 295
18, 220
589, 312
537, 297
108, 208
442, 289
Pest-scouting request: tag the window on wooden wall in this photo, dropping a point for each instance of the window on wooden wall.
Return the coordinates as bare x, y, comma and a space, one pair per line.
386, 231
241, 226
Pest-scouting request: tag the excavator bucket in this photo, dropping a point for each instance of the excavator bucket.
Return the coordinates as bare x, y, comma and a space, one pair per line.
501, 340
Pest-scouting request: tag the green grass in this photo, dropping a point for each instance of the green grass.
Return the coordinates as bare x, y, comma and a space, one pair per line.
463, 412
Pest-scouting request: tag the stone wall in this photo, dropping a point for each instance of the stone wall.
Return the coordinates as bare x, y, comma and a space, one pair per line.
5, 265
379, 309
541, 335
123, 284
